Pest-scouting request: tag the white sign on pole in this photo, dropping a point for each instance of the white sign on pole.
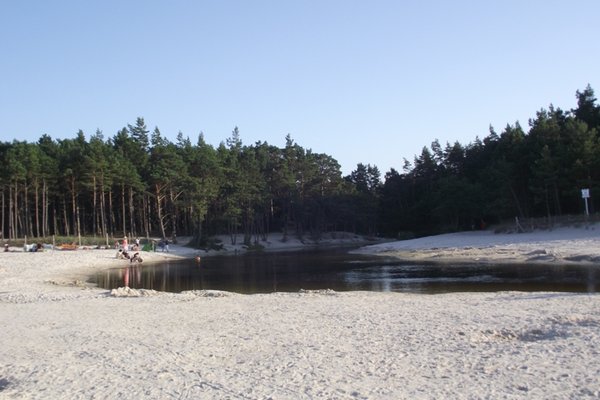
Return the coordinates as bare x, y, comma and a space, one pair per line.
585, 194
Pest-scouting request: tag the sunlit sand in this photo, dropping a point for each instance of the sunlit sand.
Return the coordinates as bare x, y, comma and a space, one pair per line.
63, 338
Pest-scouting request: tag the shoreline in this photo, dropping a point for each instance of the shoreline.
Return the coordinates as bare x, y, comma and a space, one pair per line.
64, 339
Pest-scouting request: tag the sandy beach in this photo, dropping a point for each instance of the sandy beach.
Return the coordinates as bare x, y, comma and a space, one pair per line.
562, 245
62, 338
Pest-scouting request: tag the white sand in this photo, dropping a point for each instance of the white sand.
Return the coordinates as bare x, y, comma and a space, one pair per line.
561, 245
61, 339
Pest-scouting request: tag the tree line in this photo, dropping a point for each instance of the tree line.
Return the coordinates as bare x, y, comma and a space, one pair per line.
514, 173
139, 183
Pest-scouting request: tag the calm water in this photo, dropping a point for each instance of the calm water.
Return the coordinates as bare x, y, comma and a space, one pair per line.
340, 271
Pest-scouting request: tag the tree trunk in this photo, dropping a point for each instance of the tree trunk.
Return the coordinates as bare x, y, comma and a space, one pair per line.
37, 208
557, 199
232, 228
78, 221
112, 213
44, 210
159, 209
123, 219
95, 216
132, 227
25, 208
517, 203
547, 203
73, 207
16, 204
2, 228
10, 212
102, 210
145, 214
198, 232
54, 221
174, 215
65, 218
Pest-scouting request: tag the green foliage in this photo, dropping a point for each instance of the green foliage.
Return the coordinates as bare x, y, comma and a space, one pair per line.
533, 174
140, 184
208, 243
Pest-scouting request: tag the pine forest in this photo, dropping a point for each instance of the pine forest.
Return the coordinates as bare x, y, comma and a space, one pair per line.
139, 183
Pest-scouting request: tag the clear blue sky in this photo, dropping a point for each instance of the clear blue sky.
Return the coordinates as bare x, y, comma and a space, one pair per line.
363, 81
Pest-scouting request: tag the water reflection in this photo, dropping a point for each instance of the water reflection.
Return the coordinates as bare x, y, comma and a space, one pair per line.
337, 270
133, 271
591, 281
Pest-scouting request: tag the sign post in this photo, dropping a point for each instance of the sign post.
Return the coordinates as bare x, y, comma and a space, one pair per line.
585, 194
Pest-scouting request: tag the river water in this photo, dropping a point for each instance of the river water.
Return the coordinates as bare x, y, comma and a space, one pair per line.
338, 270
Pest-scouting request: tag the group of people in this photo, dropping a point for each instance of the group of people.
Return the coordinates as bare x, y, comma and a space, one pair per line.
123, 251
124, 255
125, 245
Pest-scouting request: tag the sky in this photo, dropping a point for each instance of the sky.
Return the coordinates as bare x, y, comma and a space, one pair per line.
369, 82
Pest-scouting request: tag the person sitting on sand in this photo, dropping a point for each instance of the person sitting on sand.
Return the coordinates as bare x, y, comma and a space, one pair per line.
136, 258
6, 247
120, 254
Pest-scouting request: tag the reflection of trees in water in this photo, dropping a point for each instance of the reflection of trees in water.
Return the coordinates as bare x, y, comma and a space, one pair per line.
132, 276
591, 282
290, 272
